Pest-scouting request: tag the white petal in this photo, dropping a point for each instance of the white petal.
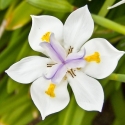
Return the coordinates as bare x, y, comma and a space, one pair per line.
40, 26
117, 4
108, 54
28, 69
78, 28
88, 91
46, 104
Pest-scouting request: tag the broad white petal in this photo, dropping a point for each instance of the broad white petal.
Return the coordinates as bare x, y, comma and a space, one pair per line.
88, 91
108, 54
40, 26
28, 69
78, 28
46, 104
117, 4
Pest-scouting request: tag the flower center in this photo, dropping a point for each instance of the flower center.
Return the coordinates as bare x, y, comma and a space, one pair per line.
50, 90
46, 37
94, 57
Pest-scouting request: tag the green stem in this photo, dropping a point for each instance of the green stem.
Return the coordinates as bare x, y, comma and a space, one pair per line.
117, 77
68, 112
109, 24
103, 11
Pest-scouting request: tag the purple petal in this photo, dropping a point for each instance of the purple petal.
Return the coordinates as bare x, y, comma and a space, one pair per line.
75, 56
54, 50
57, 48
52, 54
75, 60
52, 71
59, 74
78, 63
56, 73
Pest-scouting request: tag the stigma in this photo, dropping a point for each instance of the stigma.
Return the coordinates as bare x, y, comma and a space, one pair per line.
50, 90
46, 37
94, 57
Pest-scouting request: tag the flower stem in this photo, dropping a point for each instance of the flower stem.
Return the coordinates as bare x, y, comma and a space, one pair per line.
68, 112
109, 24
117, 77
103, 11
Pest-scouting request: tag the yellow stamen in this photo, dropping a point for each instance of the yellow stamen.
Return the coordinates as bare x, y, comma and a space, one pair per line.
46, 37
50, 90
95, 57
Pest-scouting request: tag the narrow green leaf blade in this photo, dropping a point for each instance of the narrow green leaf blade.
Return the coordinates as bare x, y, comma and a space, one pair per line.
109, 24
52, 5
4, 4
19, 18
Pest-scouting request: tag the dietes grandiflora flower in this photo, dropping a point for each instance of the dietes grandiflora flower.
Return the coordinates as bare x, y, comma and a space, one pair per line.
72, 58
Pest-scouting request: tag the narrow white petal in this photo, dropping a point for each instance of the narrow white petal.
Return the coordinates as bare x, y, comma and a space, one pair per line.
28, 69
117, 4
109, 57
78, 28
46, 104
40, 26
88, 91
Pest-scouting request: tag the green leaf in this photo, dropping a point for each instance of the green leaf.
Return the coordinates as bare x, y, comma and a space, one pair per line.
49, 120
52, 5
5, 3
109, 24
8, 59
28, 115
16, 114
79, 114
20, 15
103, 11
12, 85
118, 103
3, 91
8, 56
117, 77
68, 112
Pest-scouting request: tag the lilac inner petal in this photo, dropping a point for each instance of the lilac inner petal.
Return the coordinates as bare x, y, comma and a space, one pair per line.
59, 74
57, 48
75, 56
75, 60
56, 73
78, 63
50, 51
54, 50
52, 71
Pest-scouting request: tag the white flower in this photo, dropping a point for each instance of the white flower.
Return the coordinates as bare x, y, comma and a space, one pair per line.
76, 64
117, 4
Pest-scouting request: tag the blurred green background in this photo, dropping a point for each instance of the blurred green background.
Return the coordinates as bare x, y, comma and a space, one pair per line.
16, 106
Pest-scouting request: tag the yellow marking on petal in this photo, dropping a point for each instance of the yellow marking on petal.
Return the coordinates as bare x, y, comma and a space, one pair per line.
94, 57
46, 37
50, 90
